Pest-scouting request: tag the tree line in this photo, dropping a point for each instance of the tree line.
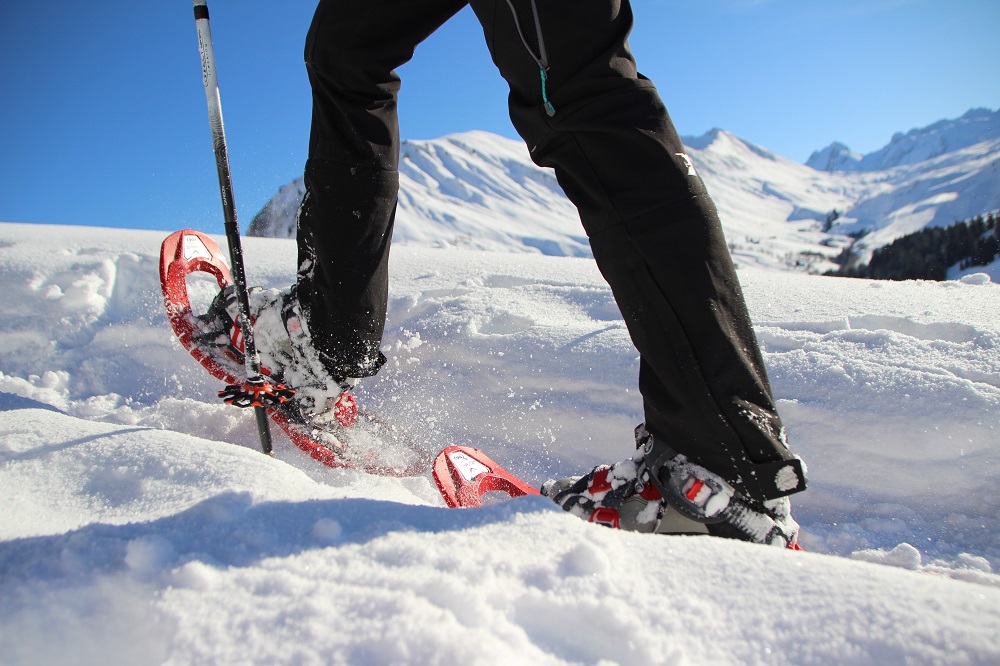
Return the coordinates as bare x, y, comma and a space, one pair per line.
927, 254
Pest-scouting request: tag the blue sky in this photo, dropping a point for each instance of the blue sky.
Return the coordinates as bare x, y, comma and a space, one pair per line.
103, 117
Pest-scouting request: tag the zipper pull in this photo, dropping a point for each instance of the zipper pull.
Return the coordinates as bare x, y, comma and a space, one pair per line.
549, 109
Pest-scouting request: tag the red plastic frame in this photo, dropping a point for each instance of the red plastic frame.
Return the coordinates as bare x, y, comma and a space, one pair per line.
460, 491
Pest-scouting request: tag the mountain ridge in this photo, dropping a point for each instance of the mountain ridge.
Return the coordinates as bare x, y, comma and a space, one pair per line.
917, 145
481, 191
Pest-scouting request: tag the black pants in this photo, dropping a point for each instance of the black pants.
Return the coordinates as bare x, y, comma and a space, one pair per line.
654, 231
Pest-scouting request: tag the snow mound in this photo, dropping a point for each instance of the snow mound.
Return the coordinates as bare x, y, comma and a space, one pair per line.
186, 549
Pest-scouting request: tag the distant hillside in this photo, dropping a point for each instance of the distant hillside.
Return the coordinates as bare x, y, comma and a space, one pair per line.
482, 191
917, 145
933, 253
475, 190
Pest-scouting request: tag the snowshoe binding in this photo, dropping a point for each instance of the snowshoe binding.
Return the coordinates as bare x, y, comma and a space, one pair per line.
689, 499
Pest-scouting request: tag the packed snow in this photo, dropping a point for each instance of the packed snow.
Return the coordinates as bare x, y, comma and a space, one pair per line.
142, 525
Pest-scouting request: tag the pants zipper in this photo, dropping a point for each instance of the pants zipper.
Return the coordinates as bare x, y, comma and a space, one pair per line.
541, 58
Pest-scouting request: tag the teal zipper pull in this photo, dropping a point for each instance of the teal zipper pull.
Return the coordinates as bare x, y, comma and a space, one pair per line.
549, 109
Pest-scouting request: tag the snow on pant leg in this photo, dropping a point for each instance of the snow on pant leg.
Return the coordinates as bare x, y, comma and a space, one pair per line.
346, 218
654, 231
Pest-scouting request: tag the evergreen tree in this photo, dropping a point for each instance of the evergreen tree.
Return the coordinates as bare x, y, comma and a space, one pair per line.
927, 254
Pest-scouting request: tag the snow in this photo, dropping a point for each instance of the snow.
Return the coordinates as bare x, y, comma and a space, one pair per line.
474, 190
141, 525
479, 191
917, 145
976, 274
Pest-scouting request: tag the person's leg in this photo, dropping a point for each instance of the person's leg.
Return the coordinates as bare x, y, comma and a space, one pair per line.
654, 231
345, 221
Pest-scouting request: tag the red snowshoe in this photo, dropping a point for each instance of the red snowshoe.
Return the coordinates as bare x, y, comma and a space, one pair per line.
352, 439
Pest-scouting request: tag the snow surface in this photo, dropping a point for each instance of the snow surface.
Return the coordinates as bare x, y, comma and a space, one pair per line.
142, 526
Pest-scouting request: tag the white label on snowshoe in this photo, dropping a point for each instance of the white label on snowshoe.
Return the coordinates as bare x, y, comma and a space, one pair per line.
193, 247
467, 466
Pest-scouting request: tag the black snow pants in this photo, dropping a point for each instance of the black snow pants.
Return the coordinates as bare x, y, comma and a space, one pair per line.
602, 127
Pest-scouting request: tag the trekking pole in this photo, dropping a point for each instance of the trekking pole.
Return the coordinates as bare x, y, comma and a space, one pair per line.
258, 392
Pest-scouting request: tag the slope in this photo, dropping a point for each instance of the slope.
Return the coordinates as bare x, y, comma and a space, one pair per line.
481, 191
142, 525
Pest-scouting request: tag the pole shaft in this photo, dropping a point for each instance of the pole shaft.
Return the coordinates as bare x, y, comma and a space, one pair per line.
210, 79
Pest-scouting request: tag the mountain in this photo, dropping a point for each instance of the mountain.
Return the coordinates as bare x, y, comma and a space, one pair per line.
774, 210
481, 191
475, 190
939, 191
917, 145
835, 157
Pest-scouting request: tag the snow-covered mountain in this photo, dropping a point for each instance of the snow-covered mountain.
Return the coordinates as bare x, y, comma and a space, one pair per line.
953, 186
141, 525
917, 145
475, 190
482, 191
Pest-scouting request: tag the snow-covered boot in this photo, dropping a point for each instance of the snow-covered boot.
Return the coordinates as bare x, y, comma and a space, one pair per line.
284, 344
693, 500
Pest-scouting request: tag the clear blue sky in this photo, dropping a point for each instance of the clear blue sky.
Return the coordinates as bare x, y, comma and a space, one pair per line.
103, 117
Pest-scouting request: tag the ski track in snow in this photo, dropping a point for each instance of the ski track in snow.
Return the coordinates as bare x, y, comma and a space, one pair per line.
143, 527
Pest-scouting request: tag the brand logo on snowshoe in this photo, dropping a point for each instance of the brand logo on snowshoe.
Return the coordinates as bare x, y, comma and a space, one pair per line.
467, 466
193, 248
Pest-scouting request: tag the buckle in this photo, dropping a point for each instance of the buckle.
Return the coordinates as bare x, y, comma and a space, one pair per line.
694, 491
607, 517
